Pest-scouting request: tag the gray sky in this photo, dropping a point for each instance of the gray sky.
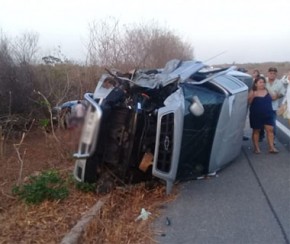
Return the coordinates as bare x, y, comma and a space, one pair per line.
243, 30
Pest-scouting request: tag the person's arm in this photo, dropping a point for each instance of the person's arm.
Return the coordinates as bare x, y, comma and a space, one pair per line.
282, 90
274, 95
251, 96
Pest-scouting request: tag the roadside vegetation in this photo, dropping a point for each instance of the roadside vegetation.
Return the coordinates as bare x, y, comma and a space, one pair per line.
37, 189
48, 185
39, 200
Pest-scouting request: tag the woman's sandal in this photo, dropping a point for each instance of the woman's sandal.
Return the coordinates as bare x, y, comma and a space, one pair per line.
273, 151
257, 151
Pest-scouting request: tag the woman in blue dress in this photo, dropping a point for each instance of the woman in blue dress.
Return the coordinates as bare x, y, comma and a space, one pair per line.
261, 114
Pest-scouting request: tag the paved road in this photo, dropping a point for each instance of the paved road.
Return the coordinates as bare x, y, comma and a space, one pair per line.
249, 202
283, 132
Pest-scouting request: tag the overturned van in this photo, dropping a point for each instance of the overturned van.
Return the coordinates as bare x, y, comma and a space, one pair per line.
177, 123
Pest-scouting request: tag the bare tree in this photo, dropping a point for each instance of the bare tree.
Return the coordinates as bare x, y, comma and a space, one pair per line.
25, 47
152, 46
104, 47
134, 46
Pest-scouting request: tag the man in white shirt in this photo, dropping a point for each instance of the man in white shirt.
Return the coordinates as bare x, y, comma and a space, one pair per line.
276, 89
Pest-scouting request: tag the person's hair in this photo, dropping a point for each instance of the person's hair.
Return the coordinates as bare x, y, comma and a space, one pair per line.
256, 71
272, 69
256, 80
110, 80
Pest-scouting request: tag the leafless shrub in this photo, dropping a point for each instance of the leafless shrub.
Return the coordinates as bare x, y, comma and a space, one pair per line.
25, 48
123, 47
150, 45
104, 47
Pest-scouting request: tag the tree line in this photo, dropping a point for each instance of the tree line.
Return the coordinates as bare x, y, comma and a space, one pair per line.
24, 74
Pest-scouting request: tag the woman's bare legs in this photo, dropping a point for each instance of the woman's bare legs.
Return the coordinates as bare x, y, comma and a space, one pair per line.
270, 138
255, 139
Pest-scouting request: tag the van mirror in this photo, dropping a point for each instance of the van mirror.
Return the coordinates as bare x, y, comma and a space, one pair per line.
196, 107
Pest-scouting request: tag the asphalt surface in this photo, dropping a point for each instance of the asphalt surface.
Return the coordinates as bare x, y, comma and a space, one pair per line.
283, 132
248, 202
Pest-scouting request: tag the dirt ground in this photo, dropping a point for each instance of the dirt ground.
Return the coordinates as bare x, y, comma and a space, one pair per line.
50, 221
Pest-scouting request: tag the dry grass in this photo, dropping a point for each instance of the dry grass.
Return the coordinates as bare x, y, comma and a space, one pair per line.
49, 222
116, 220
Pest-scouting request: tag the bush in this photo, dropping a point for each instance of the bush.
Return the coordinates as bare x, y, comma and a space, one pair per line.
46, 186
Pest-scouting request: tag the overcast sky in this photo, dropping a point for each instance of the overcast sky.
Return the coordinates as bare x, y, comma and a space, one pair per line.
243, 30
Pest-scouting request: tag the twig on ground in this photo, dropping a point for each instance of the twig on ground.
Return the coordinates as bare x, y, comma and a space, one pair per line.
6, 195
74, 235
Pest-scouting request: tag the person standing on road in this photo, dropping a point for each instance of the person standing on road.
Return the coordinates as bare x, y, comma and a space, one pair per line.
276, 89
261, 114
256, 73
